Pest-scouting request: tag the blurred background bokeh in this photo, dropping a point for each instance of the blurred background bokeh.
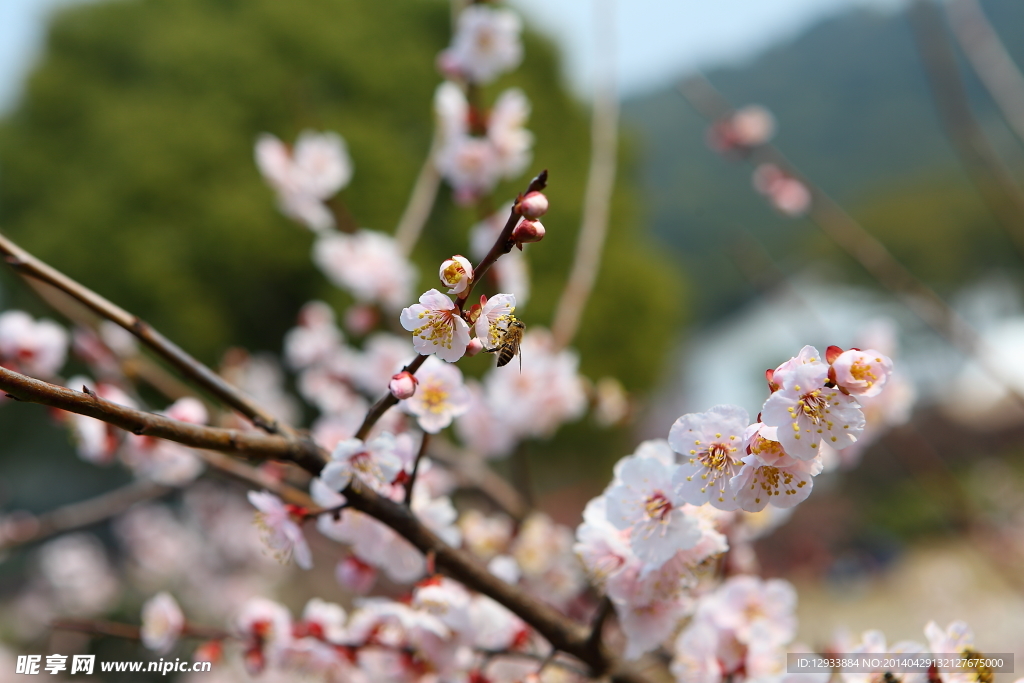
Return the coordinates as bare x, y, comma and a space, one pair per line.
126, 160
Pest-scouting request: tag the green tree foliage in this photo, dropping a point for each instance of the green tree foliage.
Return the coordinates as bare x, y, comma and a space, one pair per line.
128, 164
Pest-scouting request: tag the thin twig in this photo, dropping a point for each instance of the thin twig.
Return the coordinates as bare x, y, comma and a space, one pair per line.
597, 197
424, 440
503, 244
421, 201
118, 629
994, 182
563, 633
471, 471
989, 59
861, 245
253, 444
252, 475
23, 528
26, 264
385, 402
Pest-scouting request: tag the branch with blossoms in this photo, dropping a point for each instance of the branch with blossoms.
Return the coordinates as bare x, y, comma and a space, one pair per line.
661, 568
746, 133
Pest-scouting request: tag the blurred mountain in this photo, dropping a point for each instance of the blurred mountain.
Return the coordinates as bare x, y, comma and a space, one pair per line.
855, 114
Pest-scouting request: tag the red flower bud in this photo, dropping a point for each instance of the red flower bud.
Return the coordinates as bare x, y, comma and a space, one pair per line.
533, 205
528, 231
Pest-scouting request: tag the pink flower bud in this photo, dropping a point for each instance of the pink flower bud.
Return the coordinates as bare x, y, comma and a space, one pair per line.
360, 319
533, 205
355, 575
475, 347
403, 385
528, 231
457, 274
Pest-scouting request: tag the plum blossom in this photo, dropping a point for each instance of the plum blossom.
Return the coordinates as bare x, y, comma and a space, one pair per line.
376, 462
473, 160
437, 327
511, 141
603, 548
645, 501
770, 475
711, 444
279, 530
742, 604
747, 127
482, 430
495, 316
162, 623
787, 195
486, 44
955, 639
873, 642
862, 373
315, 339
324, 620
368, 264
355, 575
440, 397
808, 411
96, 441
34, 347
306, 176
76, 570
456, 273
546, 393
265, 628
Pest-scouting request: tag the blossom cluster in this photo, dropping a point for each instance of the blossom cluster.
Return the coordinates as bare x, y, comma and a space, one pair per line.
646, 537
478, 148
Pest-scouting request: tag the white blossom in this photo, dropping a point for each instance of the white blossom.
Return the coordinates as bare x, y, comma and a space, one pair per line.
34, 347
162, 623
486, 44
437, 327
711, 444
279, 530
366, 263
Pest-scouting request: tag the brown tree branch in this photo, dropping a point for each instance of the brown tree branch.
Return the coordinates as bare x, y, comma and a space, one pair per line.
303, 452
563, 633
21, 528
471, 471
862, 246
991, 178
385, 402
424, 440
989, 59
29, 266
504, 243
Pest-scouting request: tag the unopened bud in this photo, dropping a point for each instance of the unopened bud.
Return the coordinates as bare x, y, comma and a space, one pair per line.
533, 205
528, 231
403, 385
831, 353
475, 346
457, 274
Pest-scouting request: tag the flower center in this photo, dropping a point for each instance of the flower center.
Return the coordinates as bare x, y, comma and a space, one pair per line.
813, 405
454, 273
861, 372
658, 506
439, 328
718, 456
434, 396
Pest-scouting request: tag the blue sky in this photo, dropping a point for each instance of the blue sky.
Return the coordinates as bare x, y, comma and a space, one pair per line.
655, 40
